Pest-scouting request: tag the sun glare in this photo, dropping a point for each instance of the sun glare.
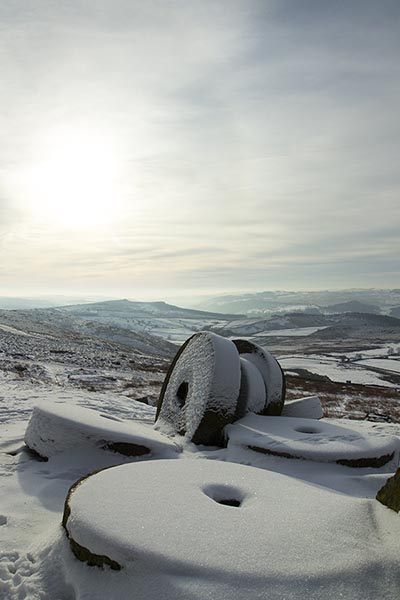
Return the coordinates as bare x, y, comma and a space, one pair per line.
74, 182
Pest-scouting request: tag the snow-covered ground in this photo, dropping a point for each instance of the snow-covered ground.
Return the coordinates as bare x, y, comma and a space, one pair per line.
337, 370
297, 332
387, 364
301, 529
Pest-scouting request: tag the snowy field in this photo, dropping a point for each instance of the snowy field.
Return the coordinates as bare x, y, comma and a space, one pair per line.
301, 529
296, 332
386, 364
355, 371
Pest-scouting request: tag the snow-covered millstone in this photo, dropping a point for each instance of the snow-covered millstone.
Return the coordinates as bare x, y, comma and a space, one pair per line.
55, 428
201, 390
253, 394
198, 528
290, 437
271, 372
305, 408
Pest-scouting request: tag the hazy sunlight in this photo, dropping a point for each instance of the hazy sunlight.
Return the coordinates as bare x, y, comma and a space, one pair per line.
74, 184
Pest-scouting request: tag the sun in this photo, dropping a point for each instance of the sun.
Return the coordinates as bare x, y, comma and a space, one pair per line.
74, 183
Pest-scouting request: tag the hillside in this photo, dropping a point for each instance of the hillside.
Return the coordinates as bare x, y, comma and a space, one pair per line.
287, 301
127, 309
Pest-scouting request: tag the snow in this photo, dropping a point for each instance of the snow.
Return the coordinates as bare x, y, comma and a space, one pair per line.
56, 428
381, 363
335, 370
269, 368
301, 438
291, 538
252, 387
305, 530
9, 329
296, 332
306, 408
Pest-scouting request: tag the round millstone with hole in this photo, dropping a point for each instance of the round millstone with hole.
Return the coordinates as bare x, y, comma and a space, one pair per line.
227, 530
271, 372
201, 390
289, 437
55, 428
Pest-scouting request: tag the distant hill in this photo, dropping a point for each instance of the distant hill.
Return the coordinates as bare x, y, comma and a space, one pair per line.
56, 324
128, 308
267, 303
22, 303
346, 322
395, 312
353, 306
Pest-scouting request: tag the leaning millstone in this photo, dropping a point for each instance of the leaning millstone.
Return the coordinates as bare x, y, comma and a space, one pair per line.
389, 494
271, 372
201, 390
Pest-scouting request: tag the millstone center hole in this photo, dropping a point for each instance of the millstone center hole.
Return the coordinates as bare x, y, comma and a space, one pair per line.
230, 502
307, 429
227, 495
182, 393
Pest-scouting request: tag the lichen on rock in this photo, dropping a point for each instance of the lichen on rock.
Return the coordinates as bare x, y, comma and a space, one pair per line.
389, 494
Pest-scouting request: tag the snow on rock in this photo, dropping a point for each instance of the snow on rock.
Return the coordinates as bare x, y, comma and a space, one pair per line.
55, 428
201, 390
206, 529
306, 408
270, 371
252, 389
290, 437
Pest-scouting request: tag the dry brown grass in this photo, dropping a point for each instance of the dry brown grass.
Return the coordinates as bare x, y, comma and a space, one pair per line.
347, 400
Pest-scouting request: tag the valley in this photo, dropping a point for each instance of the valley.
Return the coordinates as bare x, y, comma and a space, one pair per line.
350, 359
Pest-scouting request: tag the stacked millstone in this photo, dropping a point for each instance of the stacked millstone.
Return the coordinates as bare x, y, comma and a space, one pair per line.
213, 382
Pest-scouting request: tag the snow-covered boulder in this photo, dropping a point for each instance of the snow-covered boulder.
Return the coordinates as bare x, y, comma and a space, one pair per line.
201, 390
289, 437
55, 428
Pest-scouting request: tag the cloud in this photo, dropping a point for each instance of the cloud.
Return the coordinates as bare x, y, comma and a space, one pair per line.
254, 139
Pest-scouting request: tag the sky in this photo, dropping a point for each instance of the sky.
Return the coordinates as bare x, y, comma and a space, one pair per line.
179, 148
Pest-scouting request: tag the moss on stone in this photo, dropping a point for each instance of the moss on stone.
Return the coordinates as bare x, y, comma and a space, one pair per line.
389, 494
92, 560
359, 463
371, 462
82, 553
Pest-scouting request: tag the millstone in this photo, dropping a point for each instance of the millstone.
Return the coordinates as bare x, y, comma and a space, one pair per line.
201, 390
55, 428
297, 438
271, 372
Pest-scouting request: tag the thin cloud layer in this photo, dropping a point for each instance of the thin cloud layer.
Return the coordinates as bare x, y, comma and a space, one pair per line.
255, 145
